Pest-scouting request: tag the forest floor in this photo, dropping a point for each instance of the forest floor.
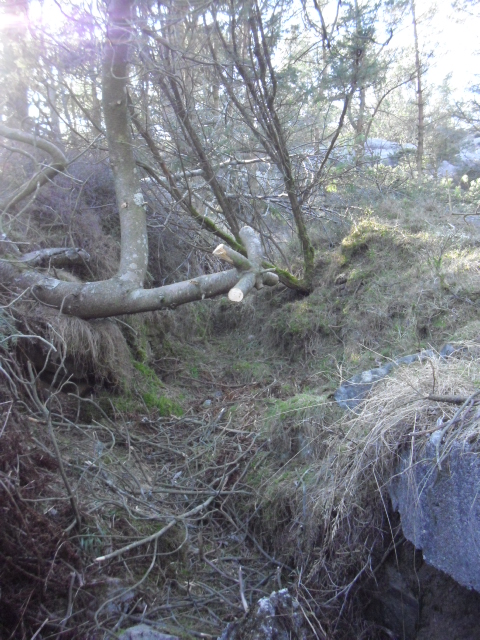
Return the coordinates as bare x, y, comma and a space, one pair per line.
217, 466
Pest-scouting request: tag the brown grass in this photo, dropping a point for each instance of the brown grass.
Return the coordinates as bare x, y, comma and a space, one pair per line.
84, 349
343, 509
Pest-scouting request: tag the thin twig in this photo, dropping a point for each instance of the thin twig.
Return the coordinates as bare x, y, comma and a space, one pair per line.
46, 412
158, 534
242, 589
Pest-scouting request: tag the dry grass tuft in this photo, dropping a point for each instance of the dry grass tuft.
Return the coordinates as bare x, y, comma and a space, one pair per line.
346, 498
408, 405
333, 517
93, 349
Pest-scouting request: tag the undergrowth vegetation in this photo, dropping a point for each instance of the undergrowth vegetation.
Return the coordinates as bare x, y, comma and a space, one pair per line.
173, 466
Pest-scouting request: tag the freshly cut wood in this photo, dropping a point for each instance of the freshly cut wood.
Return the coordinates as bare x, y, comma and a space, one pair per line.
224, 252
243, 286
255, 276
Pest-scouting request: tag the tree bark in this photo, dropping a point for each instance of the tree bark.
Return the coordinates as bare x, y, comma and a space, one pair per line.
133, 223
420, 102
113, 297
124, 293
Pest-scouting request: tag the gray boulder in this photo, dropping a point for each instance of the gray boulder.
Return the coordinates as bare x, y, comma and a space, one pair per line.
447, 170
466, 161
351, 393
387, 152
439, 506
469, 154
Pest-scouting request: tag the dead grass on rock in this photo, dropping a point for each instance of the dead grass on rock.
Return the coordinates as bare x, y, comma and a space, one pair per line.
347, 502
330, 519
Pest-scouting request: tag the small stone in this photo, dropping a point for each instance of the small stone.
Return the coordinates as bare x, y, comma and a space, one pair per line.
144, 632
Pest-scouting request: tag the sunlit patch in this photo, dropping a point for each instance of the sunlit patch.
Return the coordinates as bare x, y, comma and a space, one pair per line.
47, 14
12, 21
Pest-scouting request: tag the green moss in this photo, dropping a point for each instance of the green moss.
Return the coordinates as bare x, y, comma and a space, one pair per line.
148, 374
165, 406
288, 279
148, 391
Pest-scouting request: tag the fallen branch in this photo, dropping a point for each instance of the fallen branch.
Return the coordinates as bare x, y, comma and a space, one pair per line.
242, 590
449, 399
158, 534
58, 257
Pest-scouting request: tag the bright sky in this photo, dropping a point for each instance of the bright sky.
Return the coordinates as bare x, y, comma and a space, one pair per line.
454, 38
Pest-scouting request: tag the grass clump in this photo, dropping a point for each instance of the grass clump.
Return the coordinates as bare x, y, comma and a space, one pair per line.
294, 426
248, 371
296, 324
374, 238
148, 392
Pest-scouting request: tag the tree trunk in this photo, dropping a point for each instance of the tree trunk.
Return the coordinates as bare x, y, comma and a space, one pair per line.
420, 103
123, 293
133, 224
263, 119
358, 125
14, 38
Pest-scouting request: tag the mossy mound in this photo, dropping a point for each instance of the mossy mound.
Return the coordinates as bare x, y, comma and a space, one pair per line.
386, 290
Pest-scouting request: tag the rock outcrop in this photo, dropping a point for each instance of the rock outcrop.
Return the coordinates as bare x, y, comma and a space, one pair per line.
438, 499
353, 391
